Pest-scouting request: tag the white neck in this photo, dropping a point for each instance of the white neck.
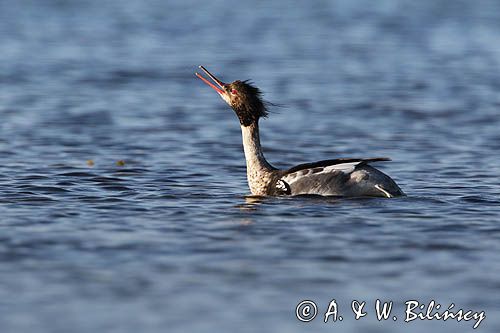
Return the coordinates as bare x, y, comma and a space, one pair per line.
258, 169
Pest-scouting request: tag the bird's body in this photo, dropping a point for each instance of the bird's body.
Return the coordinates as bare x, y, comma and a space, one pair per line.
340, 177
350, 177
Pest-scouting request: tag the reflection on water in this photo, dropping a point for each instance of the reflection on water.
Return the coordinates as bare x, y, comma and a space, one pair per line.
252, 203
123, 195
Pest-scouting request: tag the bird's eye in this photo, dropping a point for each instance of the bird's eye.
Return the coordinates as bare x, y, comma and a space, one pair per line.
234, 92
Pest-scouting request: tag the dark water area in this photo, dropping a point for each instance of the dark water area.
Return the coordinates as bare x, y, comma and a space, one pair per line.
158, 233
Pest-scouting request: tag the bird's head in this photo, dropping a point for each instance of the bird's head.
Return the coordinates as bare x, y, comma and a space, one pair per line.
244, 98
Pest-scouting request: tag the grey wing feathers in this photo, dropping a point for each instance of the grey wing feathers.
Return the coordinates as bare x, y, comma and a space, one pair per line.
325, 163
328, 177
310, 182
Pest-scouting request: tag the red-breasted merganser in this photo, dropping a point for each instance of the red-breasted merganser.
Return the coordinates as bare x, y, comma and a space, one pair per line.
347, 177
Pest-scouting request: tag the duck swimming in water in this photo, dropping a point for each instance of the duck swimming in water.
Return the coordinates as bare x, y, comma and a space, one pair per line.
346, 177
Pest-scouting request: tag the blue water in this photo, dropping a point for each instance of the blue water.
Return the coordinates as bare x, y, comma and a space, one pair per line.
123, 198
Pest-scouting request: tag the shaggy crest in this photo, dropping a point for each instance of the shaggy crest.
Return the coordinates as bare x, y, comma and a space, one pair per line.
246, 101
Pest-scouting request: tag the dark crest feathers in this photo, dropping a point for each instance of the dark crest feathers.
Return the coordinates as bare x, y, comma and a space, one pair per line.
248, 105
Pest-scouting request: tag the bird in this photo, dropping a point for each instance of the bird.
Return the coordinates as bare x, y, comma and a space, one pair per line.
341, 177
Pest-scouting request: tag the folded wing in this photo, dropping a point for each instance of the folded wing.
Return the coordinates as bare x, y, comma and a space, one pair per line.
328, 177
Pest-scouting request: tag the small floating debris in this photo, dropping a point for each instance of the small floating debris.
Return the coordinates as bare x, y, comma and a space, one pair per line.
90, 163
120, 163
